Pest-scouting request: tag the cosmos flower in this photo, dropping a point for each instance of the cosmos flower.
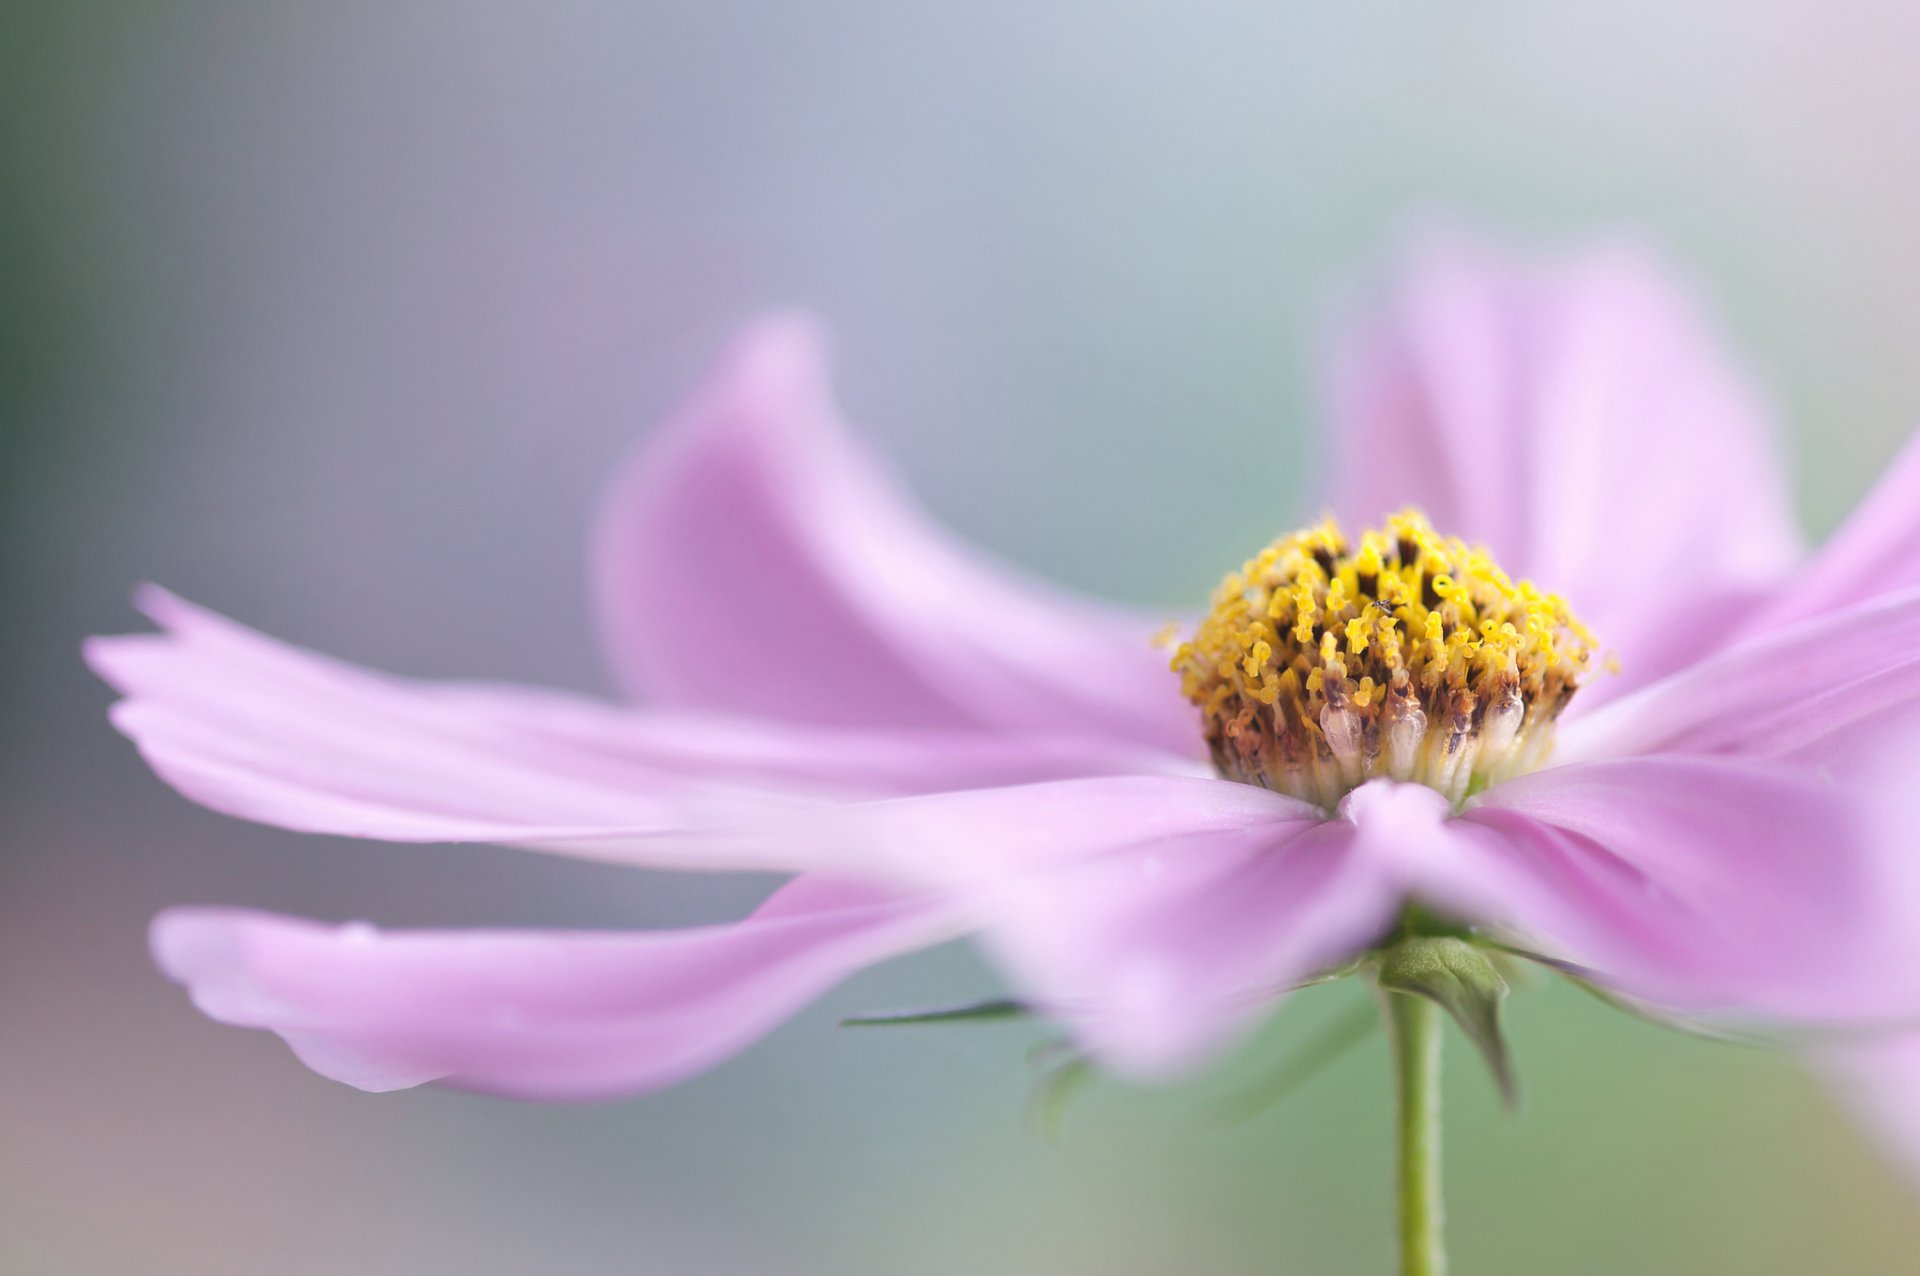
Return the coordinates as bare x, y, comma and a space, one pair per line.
1556, 671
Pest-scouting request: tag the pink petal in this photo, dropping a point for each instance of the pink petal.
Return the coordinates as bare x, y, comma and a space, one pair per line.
1159, 917
974, 840
1776, 694
1835, 697
267, 732
535, 1015
1879, 1078
1876, 757
1876, 551
1580, 419
755, 559
1165, 952
787, 755
1701, 884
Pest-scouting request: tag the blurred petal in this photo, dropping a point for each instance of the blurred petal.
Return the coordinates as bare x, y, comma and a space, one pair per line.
1879, 1078
1876, 551
536, 1015
1161, 956
1771, 695
1158, 915
1876, 758
1699, 884
1581, 420
264, 731
755, 559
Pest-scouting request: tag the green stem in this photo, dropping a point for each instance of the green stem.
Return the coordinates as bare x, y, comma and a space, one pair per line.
1413, 1036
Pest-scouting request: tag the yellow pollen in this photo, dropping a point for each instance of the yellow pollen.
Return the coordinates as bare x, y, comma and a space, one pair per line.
1325, 663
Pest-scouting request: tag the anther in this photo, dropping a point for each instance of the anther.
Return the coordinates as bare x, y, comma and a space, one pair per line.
1404, 654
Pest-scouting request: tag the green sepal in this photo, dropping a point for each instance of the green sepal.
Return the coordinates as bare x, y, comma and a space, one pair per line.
969, 1012
1459, 977
1056, 1089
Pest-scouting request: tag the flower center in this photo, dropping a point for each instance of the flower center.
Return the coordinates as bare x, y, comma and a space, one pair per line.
1326, 662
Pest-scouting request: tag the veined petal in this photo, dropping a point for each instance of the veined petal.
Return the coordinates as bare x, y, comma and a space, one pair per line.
787, 755
755, 559
1579, 419
543, 1015
1876, 551
264, 731
1774, 694
1700, 884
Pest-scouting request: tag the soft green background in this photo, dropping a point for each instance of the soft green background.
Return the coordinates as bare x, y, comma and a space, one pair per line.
335, 316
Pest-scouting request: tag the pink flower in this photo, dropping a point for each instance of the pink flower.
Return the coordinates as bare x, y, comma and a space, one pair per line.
824, 684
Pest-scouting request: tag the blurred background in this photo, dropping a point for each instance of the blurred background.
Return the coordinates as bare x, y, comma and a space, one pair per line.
335, 317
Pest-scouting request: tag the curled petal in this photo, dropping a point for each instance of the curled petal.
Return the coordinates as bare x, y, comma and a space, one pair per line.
257, 729
1159, 915
1579, 418
537, 1015
755, 559
1875, 552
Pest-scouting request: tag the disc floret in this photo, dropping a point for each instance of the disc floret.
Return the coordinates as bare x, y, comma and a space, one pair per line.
1326, 662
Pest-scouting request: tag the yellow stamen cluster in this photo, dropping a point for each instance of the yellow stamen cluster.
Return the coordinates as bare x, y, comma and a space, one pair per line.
1407, 654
